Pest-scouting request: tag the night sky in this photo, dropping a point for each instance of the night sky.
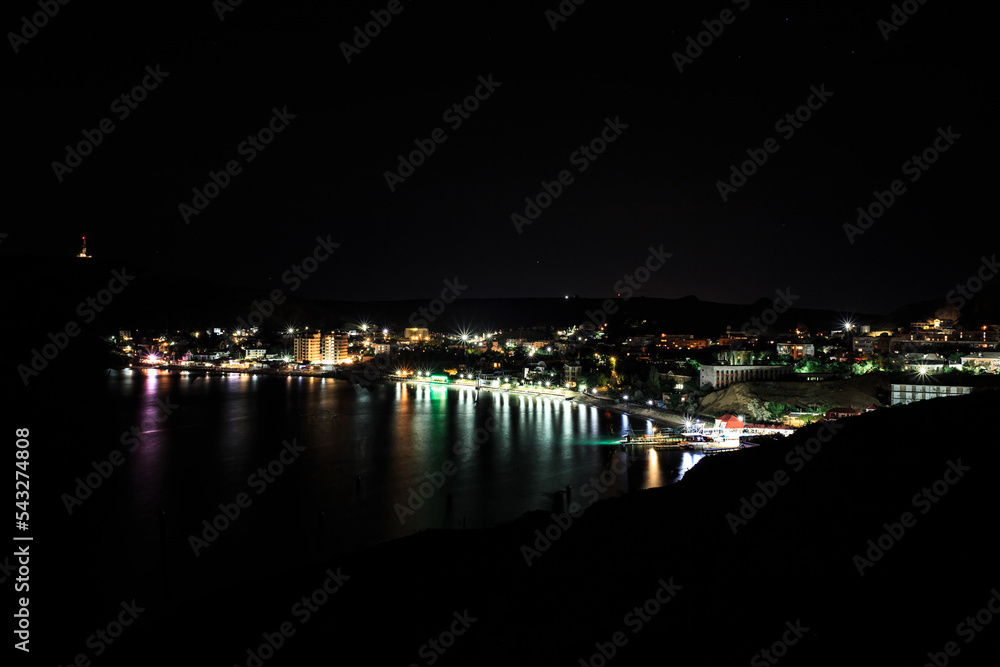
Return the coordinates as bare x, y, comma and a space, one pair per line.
679, 132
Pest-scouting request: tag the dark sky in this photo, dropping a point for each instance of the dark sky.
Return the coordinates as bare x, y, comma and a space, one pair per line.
655, 185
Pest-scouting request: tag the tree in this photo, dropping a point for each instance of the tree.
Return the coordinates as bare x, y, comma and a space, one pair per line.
777, 410
653, 382
758, 411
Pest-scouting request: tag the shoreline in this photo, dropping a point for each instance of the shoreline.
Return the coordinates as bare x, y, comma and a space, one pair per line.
660, 418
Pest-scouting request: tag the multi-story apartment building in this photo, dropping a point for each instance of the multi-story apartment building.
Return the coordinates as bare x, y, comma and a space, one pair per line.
723, 376
908, 393
682, 342
334, 348
320, 348
308, 348
796, 349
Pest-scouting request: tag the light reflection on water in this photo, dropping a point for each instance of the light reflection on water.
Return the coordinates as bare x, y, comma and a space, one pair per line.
368, 453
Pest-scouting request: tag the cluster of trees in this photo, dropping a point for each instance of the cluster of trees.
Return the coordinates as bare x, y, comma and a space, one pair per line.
768, 411
636, 386
817, 365
750, 357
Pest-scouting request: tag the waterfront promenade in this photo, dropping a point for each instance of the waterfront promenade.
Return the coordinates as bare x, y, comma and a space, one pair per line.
660, 417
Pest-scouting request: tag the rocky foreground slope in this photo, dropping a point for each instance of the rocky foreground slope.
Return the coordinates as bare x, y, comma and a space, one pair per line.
856, 392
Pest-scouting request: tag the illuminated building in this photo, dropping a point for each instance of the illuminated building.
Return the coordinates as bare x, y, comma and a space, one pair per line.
334, 348
307, 348
723, 376
908, 393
